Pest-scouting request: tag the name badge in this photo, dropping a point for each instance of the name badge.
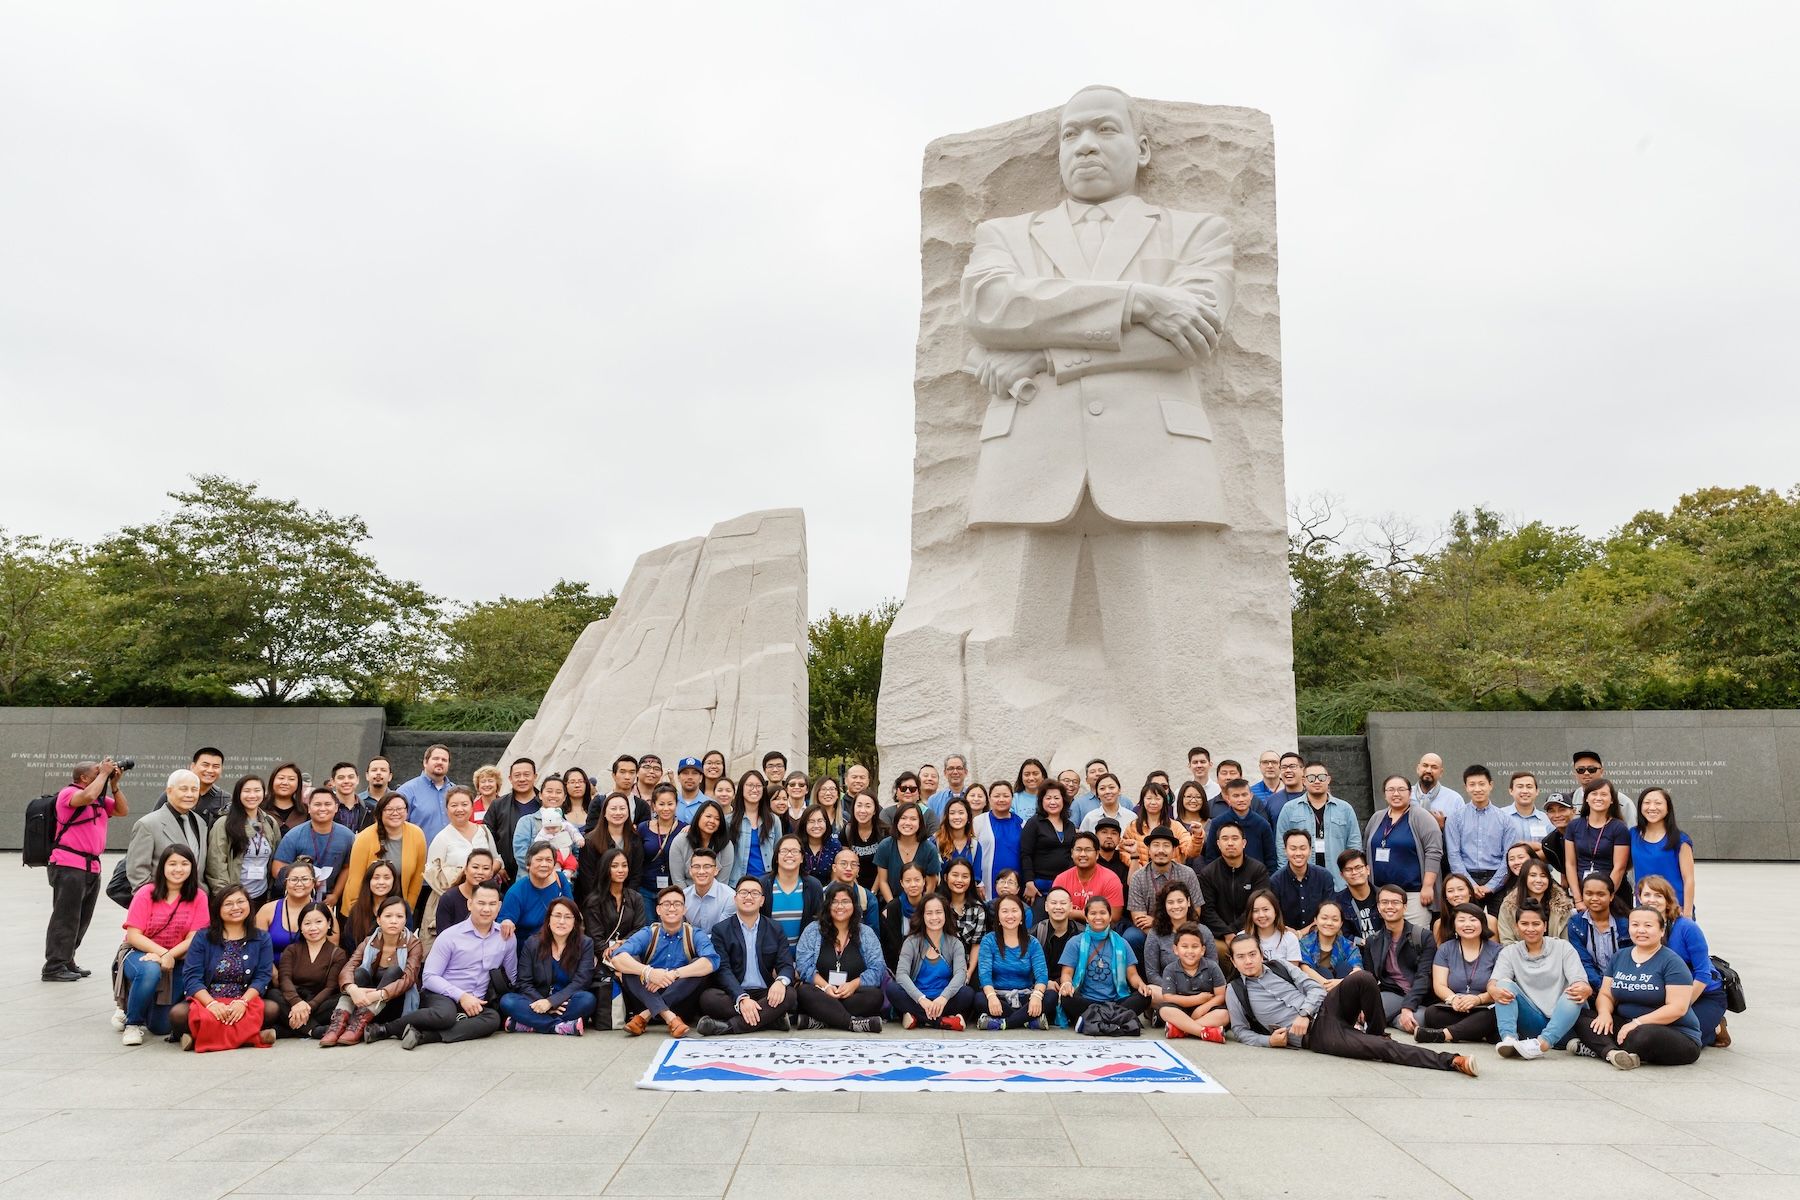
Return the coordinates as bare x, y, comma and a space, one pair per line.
1381, 854
837, 979
662, 881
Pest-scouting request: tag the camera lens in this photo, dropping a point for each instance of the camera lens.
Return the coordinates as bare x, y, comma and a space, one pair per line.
125, 764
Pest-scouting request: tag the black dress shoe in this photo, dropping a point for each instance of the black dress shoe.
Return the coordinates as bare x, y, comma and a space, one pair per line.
83, 971
62, 975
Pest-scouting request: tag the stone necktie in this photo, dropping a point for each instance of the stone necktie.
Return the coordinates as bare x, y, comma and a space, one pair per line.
1091, 234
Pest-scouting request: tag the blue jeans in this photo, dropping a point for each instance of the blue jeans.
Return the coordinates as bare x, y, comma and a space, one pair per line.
1524, 1017
1709, 1010
1134, 937
143, 979
517, 1006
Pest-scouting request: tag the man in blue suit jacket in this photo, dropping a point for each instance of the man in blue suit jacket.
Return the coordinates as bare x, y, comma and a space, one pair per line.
753, 989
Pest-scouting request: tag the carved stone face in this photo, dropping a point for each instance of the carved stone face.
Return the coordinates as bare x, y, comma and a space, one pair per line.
1100, 151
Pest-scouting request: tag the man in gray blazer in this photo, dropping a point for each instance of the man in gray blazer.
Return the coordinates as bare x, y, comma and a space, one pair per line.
175, 822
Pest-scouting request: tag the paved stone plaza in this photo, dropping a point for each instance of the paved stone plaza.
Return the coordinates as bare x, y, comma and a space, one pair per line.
82, 1116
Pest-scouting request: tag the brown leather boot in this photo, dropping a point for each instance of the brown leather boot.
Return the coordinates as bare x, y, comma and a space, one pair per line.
359, 1025
335, 1030
638, 1024
677, 1027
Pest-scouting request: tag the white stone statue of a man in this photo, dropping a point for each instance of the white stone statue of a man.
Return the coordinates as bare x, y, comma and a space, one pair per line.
1090, 318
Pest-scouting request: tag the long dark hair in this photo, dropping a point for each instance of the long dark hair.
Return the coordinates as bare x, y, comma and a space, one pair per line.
1522, 891
599, 837
299, 784
1443, 926
1671, 831
571, 955
721, 837
215, 927
608, 857
388, 901
1019, 780
1612, 796
764, 813
362, 914
587, 793
918, 929
190, 887
1140, 820
1024, 930
1262, 893
237, 832
828, 927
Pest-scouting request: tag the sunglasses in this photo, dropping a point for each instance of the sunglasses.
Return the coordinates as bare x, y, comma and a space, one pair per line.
1587, 770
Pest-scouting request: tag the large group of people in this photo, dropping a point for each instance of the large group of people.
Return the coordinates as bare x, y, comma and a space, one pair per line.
1216, 906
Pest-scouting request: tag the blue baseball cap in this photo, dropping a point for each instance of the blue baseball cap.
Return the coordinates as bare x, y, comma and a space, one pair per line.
687, 764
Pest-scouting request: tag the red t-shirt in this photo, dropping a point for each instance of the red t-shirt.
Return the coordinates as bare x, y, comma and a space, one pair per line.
86, 830
1102, 882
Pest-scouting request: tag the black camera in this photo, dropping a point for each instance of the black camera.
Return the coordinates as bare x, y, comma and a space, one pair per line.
125, 764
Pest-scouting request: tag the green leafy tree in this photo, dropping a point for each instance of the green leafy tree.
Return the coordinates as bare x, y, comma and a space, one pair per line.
45, 616
513, 648
1739, 616
237, 592
843, 670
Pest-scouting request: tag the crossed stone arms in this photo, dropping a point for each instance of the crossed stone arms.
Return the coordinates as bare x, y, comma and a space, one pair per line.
1025, 325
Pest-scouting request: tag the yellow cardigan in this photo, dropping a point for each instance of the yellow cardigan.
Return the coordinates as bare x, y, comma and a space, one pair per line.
367, 847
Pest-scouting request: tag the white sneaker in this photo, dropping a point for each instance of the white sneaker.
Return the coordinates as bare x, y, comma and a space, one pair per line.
134, 1035
118, 1020
1509, 1048
1530, 1048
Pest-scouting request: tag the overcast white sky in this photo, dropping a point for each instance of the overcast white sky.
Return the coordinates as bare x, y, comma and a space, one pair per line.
536, 287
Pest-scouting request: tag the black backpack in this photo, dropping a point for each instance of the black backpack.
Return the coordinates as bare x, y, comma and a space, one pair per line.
1108, 1019
1242, 987
43, 834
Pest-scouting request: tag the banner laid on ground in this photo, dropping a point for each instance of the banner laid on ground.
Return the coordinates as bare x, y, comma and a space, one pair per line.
872, 1065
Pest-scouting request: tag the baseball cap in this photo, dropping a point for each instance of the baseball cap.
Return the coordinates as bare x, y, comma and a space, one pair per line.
1111, 823
1561, 798
687, 764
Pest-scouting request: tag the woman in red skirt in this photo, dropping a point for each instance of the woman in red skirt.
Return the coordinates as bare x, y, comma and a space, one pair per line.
224, 977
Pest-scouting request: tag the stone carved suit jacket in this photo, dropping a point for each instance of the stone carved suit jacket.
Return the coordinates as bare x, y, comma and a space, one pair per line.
1120, 412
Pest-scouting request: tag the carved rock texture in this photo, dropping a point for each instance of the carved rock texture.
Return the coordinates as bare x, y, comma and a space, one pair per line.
705, 650
960, 674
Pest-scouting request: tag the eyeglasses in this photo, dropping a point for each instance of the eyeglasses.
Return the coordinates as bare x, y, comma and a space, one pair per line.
1318, 778
1587, 770
909, 787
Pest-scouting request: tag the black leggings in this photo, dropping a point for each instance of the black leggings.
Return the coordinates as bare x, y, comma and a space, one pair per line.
1074, 1004
837, 1014
1662, 1045
1476, 1025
